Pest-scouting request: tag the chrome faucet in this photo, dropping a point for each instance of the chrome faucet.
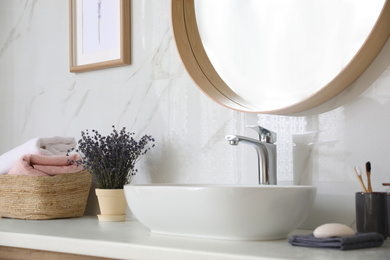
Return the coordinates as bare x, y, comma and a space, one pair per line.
266, 152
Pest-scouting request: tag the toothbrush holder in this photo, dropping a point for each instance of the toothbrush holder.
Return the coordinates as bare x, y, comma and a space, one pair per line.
371, 213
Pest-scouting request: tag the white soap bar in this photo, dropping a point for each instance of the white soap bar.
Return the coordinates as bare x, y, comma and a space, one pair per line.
333, 230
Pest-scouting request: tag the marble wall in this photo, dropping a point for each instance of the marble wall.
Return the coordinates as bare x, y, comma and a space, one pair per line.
154, 95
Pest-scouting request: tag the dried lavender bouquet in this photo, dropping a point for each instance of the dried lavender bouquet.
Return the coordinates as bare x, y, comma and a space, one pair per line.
111, 159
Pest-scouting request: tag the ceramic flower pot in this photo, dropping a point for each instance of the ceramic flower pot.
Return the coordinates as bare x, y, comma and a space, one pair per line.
112, 204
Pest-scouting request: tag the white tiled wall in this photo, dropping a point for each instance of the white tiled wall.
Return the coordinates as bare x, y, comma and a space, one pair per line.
154, 95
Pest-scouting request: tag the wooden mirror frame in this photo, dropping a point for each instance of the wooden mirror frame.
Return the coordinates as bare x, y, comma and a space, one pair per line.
202, 72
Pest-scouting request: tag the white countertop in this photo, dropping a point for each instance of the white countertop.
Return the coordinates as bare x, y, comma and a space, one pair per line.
131, 240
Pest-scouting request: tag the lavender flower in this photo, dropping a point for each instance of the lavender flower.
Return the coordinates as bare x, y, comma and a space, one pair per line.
111, 159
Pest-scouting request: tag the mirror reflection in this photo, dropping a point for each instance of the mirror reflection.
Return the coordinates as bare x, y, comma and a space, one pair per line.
275, 53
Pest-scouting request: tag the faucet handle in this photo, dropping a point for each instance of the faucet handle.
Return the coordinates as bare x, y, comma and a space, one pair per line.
265, 135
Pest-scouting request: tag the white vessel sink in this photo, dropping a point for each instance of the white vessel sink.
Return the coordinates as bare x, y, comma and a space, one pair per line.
234, 212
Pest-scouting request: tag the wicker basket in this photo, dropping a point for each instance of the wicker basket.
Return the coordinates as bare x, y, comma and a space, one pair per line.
32, 197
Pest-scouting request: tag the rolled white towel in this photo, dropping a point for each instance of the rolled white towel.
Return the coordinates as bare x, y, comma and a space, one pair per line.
57, 145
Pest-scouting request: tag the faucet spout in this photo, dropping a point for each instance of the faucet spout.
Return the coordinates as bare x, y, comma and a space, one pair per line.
233, 139
266, 154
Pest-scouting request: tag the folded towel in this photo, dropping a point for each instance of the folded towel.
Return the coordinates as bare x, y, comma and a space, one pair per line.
44, 165
57, 145
360, 240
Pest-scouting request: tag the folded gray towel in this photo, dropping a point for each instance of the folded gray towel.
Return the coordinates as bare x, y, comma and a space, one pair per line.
360, 240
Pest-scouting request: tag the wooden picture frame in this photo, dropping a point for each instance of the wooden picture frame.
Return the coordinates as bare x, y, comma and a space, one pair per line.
97, 43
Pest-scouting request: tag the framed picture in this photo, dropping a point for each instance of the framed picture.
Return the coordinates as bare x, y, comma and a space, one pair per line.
99, 34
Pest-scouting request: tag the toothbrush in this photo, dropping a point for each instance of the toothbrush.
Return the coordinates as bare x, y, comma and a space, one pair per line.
359, 175
368, 172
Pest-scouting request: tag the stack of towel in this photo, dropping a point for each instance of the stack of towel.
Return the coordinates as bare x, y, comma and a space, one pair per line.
357, 241
41, 157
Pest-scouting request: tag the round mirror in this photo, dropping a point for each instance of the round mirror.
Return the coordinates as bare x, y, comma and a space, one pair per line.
278, 56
